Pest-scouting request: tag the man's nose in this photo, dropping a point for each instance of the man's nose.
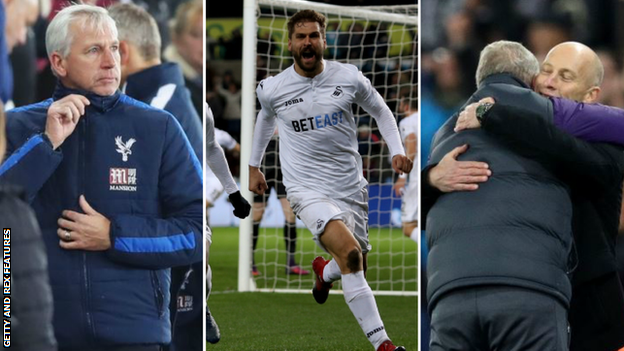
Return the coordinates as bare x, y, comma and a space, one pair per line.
109, 58
551, 81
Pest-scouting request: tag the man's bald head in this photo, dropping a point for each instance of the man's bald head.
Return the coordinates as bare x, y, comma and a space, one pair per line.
571, 70
586, 57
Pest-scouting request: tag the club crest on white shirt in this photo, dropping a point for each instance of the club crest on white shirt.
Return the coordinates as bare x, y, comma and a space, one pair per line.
337, 93
124, 148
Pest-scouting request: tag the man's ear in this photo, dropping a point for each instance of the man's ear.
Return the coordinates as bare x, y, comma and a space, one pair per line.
592, 95
124, 52
58, 64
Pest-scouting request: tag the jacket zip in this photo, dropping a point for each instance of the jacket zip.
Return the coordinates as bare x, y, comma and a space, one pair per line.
82, 178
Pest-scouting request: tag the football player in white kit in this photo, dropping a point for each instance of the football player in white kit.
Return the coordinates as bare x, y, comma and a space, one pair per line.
409, 134
215, 158
311, 103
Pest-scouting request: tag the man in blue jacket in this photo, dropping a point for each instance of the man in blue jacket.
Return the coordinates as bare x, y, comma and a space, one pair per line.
117, 182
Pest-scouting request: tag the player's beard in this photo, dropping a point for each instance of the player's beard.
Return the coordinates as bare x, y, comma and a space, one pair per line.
318, 56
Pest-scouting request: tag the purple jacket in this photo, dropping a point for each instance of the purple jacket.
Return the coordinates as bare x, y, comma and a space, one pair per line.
590, 122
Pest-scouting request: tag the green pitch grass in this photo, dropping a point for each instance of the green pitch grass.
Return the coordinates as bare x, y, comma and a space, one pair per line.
284, 321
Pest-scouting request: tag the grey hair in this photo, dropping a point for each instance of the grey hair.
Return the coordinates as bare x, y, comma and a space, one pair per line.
59, 38
507, 57
138, 27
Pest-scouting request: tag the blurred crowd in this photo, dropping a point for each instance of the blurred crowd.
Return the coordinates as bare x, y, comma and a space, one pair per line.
365, 45
24, 67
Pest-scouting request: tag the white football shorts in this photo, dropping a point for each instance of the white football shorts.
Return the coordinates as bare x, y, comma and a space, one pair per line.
315, 210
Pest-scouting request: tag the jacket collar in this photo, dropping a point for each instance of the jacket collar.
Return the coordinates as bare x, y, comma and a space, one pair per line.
143, 84
99, 102
504, 78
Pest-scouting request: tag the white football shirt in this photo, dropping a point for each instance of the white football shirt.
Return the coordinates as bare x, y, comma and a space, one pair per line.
215, 158
318, 141
224, 139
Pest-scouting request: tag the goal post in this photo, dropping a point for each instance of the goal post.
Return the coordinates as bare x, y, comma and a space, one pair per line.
382, 41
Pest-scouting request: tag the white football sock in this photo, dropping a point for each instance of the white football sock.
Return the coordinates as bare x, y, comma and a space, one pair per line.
361, 301
331, 272
415, 234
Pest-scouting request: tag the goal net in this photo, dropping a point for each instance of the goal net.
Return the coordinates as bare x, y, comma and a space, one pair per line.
382, 42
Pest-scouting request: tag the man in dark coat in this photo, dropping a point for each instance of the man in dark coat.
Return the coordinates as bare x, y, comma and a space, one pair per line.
496, 249
574, 71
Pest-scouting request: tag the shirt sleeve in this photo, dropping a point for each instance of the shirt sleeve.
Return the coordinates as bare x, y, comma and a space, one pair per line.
374, 104
215, 158
590, 122
31, 161
595, 166
264, 129
224, 139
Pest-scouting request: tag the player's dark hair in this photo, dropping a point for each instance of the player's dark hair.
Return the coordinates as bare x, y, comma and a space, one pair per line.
307, 16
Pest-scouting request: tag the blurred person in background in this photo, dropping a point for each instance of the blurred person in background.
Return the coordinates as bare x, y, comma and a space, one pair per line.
545, 31
161, 85
187, 48
408, 126
146, 78
20, 15
229, 89
612, 88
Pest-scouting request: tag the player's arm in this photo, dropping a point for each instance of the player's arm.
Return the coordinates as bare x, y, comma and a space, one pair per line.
528, 133
263, 131
265, 127
589, 122
373, 103
411, 151
227, 142
215, 158
448, 174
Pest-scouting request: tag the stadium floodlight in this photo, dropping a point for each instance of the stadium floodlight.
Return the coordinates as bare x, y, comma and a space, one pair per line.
383, 42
